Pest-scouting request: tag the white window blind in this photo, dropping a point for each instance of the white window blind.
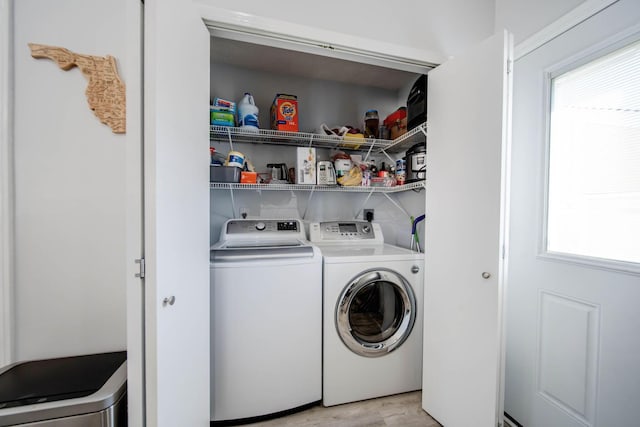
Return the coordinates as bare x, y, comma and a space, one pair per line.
594, 159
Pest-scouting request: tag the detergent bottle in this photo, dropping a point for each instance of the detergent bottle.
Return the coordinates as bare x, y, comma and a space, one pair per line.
248, 113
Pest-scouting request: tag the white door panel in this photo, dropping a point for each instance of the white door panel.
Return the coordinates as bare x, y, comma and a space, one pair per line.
134, 226
176, 83
468, 99
571, 329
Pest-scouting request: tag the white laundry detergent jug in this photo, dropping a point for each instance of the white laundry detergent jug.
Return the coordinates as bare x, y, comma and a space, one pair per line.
248, 113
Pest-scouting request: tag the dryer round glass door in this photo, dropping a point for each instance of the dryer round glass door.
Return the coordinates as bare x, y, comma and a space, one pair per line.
376, 312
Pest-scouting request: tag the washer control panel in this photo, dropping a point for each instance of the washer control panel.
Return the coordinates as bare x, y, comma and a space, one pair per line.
345, 231
254, 228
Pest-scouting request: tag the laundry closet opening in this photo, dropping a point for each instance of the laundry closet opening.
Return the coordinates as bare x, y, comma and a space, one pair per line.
334, 88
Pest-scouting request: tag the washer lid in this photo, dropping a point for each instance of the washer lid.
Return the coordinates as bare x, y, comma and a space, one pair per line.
259, 244
244, 253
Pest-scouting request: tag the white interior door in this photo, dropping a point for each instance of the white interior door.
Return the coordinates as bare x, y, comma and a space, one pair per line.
572, 329
176, 215
464, 275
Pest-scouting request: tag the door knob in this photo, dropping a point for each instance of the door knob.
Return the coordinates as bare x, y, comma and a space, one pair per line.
486, 275
169, 300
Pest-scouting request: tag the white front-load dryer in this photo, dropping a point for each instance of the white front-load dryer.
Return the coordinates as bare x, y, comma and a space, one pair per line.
372, 314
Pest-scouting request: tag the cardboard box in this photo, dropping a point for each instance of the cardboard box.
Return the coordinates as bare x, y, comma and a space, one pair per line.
396, 123
221, 117
306, 165
223, 103
284, 113
398, 129
248, 177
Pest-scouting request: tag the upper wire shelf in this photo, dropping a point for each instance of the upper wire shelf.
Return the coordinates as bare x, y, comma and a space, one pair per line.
301, 139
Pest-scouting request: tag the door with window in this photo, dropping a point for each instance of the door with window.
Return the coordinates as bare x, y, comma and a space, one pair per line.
574, 270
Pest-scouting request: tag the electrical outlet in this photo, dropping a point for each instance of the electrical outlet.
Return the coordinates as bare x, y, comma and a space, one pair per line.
367, 214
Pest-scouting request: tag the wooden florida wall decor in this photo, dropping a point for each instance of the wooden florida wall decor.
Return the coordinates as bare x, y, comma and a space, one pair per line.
105, 91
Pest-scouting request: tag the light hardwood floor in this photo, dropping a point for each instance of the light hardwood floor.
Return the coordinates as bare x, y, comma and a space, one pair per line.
400, 410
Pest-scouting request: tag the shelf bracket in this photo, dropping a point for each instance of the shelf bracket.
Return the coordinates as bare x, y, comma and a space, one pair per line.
368, 153
363, 205
397, 205
230, 139
423, 128
393, 162
233, 203
304, 215
310, 143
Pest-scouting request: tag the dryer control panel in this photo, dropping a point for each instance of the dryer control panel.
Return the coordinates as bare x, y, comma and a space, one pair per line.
346, 231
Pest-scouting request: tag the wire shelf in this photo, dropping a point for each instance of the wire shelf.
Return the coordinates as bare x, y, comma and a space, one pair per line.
418, 185
301, 139
403, 142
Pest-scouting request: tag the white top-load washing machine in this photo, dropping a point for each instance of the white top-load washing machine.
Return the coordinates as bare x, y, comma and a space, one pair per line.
266, 319
372, 315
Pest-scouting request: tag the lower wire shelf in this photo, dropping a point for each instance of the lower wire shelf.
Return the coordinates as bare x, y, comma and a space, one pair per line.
418, 185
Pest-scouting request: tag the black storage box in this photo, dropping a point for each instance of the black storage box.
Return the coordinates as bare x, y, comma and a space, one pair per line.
417, 103
224, 174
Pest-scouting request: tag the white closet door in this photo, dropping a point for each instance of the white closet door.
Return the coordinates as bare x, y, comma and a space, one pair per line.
465, 233
176, 220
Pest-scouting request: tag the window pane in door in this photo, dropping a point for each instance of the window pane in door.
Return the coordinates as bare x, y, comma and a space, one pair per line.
594, 159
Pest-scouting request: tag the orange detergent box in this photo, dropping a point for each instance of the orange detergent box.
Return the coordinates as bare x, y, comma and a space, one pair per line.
248, 177
284, 113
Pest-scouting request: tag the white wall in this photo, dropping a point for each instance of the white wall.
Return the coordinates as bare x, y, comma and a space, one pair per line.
524, 18
445, 26
69, 187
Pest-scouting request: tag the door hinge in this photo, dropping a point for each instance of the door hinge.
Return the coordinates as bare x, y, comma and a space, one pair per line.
509, 66
140, 274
